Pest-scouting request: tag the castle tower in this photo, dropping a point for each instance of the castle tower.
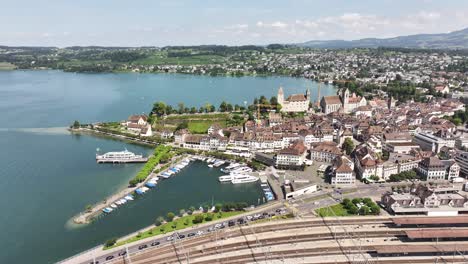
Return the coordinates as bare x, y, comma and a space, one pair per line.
280, 96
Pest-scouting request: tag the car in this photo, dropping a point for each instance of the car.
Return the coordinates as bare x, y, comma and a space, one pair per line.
169, 238
155, 243
142, 247
241, 221
265, 214
249, 217
190, 234
278, 210
199, 232
210, 229
181, 236
231, 223
217, 226
109, 257
257, 216
94, 262
123, 253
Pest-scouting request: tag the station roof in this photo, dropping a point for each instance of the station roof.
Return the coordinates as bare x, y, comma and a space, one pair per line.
440, 233
427, 220
403, 249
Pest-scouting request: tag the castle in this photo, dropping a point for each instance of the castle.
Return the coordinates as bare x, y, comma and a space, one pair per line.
343, 101
295, 102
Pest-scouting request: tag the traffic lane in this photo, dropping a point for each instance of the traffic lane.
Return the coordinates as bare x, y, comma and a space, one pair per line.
204, 230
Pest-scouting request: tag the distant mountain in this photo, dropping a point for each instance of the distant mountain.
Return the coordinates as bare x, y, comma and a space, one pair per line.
452, 40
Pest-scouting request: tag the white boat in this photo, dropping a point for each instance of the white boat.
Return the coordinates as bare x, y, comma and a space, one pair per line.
219, 163
226, 178
238, 178
244, 179
129, 198
113, 205
123, 201
210, 165
243, 169
120, 157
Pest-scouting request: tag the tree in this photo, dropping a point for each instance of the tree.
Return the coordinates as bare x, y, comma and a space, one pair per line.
181, 107
353, 209
223, 106
218, 207
110, 242
209, 217
193, 110
198, 219
181, 212
76, 124
191, 210
273, 100
348, 146
170, 216
182, 125
158, 221
159, 108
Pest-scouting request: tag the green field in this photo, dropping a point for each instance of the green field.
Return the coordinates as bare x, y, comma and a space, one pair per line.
163, 59
6, 66
177, 224
334, 210
201, 127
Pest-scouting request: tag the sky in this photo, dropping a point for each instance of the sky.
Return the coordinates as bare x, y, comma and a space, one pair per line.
184, 22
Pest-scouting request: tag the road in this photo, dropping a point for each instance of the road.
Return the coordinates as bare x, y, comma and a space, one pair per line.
97, 255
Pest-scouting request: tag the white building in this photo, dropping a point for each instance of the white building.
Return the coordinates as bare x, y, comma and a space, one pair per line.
432, 169
295, 102
343, 173
433, 142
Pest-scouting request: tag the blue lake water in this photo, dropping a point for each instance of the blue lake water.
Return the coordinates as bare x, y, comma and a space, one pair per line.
48, 175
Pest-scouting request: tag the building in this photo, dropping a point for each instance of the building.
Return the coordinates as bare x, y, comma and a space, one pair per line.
292, 157
433, 142
325, 151
296, 189
462, 159
432, 169
433, 201
367, 163
404, 162
343, 100
452, 169
402, 148
141, 120
295, 102
343, 172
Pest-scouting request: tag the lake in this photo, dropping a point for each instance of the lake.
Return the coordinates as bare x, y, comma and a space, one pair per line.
49, 175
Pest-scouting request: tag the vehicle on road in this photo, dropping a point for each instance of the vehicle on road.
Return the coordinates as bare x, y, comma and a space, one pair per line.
109, 257
155, 243
142, 247
123, 253
190, 234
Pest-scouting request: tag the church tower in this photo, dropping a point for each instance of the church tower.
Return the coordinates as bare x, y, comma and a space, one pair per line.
345, 98
280, 96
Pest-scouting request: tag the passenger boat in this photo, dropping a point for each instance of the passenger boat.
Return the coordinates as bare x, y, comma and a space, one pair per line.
238, 178
244, 179
120, 157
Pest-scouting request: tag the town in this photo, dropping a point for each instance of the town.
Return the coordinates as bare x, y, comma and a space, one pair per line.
340, 141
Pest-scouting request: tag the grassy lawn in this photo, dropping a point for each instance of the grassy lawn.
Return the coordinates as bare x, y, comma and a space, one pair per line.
6, 66
177, 224
337, 209
201, 127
